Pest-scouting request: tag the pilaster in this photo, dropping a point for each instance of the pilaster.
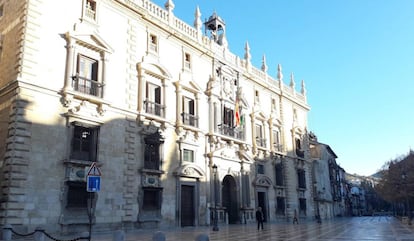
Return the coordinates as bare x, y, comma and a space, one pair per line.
130, 178
16, 166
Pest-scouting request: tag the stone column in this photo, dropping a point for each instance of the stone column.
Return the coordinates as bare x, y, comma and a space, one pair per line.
70, 50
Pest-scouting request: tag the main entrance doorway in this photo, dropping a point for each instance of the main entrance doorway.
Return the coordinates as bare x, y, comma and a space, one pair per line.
230, 201
187, 206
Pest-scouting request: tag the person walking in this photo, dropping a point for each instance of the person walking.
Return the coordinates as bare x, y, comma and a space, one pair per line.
295, 218
259, 218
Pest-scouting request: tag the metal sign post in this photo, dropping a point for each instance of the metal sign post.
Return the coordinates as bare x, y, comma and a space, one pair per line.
93, 184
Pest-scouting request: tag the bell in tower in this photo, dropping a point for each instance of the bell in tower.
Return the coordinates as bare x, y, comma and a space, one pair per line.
216, 27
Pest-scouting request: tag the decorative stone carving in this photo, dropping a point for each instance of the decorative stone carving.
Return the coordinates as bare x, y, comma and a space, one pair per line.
227, 87
150, 181
86, 109
228, 153
75, 173
101, 109
189, 170
263, 181
66, 100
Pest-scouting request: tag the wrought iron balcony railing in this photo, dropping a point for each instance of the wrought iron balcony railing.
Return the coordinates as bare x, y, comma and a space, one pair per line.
154, 108
261, 142
90, 13
230, 131
189, 119
277, 147
87, 86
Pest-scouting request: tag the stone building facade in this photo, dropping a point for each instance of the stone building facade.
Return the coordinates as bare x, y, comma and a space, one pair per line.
328, 180
156, 104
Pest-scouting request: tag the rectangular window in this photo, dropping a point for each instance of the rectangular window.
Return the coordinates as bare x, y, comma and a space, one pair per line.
301, 178
276, 141
187, 61
280, 206
153, 100
77, 196
227, 125
84, 143
228, 117
151, 199
152, 156
153, 43
188, 155
90, 9
154, 93
88, 68
256, 96
258, 131
260, 141
260, 169
279, 174
299, 151
86, 79
189, 117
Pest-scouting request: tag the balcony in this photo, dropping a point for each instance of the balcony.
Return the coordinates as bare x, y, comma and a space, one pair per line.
189, 119
90, 13
230, 131
90, 9
277, 147
87, 86
154, 108
261, 142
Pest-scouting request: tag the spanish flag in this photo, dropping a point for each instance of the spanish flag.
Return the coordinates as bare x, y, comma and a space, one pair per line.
237, 114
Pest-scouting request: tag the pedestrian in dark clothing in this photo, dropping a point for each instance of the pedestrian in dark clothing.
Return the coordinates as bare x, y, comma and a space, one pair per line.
259, 218
295, 218
318, 218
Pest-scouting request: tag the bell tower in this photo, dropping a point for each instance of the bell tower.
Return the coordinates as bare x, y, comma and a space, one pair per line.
216, 28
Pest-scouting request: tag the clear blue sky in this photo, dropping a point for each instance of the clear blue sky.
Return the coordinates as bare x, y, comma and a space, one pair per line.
356, 57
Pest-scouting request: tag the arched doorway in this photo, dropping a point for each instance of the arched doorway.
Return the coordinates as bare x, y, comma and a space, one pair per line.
230, 200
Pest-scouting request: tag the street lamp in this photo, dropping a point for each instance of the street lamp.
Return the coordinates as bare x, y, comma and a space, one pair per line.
215, 227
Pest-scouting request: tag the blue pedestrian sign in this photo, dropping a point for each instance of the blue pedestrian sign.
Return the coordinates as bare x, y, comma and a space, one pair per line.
93, 184
93, 178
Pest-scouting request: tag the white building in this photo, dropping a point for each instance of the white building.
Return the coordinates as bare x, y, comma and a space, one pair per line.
156, 104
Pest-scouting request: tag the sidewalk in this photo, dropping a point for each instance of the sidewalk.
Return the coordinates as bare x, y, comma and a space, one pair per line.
355, 228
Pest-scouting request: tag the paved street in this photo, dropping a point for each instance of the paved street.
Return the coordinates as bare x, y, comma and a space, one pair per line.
356, 228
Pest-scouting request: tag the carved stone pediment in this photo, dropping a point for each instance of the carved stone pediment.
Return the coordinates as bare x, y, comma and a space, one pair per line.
189, 170
89, 39
263, 181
